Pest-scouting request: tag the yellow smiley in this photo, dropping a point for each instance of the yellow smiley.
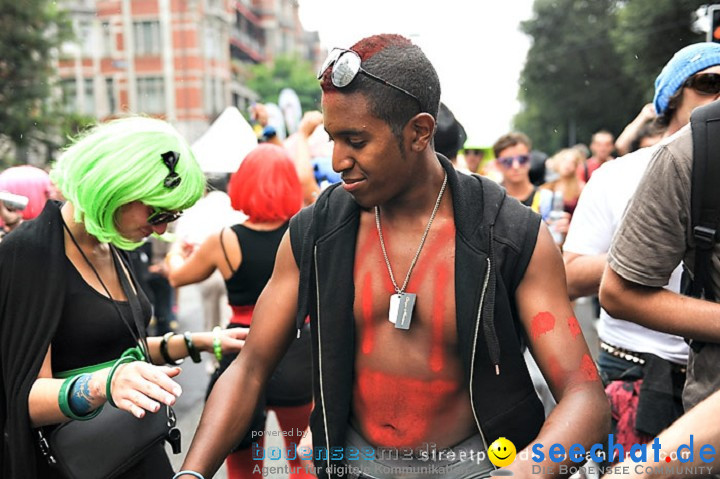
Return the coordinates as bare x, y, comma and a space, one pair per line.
502, 452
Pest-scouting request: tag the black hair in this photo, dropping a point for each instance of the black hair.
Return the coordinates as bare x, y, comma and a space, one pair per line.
397, 60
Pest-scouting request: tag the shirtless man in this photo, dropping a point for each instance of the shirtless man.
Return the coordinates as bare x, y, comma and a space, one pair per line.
420, 284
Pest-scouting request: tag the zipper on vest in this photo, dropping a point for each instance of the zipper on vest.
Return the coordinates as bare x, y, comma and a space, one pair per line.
320, 358
474, 351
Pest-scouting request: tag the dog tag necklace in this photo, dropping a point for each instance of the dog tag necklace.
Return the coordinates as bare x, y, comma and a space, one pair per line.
402, 303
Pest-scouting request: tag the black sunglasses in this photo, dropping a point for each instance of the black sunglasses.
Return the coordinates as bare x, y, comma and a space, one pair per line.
507, 161
159, 216
704, 83
347, 66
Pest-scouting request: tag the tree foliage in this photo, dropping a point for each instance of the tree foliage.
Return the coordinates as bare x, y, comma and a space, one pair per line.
268, 79
649, 32
592, 64
30, 32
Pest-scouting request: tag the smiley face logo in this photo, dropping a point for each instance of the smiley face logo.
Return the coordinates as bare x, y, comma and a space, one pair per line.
502, 452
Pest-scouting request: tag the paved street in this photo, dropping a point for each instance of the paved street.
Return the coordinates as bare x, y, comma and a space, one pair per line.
194, 377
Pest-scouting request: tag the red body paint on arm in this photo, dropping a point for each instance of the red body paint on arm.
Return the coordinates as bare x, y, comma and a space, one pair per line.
588, 370
542, 323
574, 326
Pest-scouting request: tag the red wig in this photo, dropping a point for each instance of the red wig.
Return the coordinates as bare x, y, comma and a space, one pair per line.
266, 186
28, 181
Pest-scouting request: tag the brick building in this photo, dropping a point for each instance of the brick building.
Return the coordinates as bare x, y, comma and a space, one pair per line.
183, 60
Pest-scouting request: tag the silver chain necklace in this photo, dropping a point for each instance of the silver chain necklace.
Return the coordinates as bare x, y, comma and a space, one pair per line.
401, 317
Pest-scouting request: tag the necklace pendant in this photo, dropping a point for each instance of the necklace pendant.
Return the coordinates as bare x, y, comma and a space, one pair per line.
401, 309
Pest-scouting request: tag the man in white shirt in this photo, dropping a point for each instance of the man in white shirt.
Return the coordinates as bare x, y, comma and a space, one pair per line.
630, 353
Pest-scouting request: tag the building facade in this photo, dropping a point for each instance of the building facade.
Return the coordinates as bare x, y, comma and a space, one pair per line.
182, 60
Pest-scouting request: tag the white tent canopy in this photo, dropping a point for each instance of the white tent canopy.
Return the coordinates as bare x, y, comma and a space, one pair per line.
223, 146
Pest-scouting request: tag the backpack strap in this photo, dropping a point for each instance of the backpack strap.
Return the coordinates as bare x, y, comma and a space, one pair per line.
705, 195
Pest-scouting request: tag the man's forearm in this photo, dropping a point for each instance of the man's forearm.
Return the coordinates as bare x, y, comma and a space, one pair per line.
584, 273
224, 421
581, 417
660, 309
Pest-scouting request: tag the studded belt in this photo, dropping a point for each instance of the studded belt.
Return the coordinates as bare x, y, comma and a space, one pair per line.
634, 357
622, 353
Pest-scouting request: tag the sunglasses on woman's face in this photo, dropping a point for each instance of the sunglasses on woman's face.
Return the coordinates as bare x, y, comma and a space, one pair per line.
347, 65
704, 83
159, 216
507, 161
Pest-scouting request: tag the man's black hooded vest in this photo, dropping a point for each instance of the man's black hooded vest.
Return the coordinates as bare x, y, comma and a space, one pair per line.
495, 239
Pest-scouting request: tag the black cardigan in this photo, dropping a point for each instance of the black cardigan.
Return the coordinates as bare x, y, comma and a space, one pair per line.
31, 294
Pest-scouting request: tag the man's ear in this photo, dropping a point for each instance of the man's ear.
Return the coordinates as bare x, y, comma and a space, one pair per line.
421, 130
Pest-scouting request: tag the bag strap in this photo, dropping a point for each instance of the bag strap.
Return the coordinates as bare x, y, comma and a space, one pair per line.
135, 334
705, 196
132, 296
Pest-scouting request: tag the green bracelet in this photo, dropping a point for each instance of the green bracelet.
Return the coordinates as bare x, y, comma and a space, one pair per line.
65, 405
192, 350
129, 356
217, 345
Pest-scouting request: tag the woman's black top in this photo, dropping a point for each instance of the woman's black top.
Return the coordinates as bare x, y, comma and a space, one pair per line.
258, 259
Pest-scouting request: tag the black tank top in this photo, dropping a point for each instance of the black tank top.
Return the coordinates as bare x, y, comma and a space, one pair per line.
90, 331
258, 259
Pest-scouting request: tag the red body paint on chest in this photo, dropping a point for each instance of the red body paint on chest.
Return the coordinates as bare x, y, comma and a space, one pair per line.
395, 410
430, 255
368, 334
437, 351
574, 326
542, 323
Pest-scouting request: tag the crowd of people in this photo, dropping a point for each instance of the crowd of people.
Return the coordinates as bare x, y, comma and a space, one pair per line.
420, 293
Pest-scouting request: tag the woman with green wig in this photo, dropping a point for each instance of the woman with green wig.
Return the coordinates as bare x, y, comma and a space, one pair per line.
70, 308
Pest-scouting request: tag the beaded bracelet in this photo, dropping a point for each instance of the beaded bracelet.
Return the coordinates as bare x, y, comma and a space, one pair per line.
64, 403
188, 473
217, 345
192, 350
165, 353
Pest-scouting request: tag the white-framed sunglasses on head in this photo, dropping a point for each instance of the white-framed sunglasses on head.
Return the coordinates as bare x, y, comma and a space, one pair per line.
347, 65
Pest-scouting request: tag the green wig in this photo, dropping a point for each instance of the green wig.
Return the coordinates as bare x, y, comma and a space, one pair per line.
119, 162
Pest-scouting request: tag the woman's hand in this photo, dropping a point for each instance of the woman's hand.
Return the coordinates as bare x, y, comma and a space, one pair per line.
138, 387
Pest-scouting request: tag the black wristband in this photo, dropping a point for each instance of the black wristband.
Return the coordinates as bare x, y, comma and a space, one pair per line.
192, 350
164, 350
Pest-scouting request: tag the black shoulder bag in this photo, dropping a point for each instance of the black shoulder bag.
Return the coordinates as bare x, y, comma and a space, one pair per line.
115, 440
704, 202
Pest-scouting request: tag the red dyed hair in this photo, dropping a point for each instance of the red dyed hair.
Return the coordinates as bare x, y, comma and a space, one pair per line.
28, 181
367, 48
266, 186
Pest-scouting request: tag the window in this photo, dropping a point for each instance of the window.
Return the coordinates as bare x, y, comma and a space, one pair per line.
212, 41
89, 104
85, 37
147, 38
215, 5
107, 44
214, 96
110, 92
151, 95
69, 94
